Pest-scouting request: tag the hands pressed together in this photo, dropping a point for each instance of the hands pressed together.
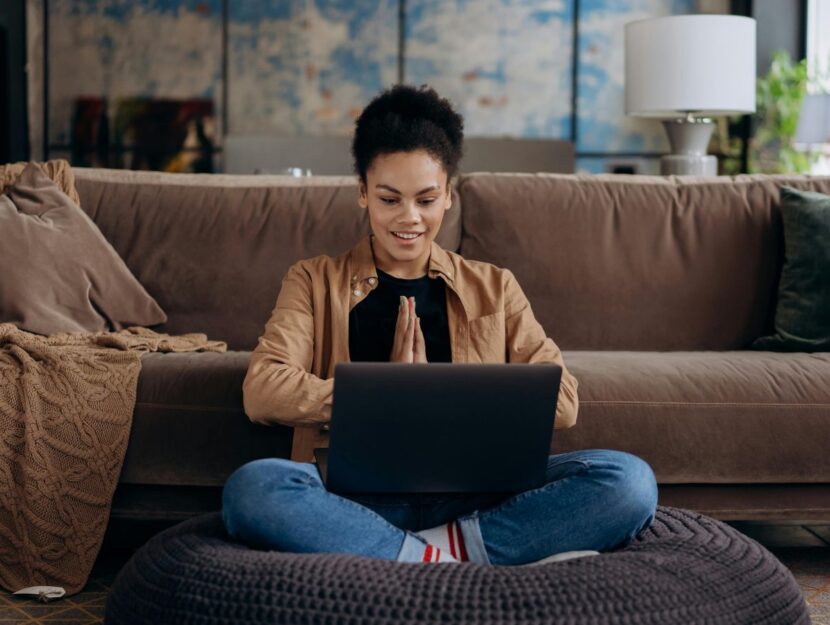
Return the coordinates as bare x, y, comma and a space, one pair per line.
408, 345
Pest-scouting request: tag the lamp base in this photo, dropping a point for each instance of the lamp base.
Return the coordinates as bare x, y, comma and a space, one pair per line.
683, 165
689, 137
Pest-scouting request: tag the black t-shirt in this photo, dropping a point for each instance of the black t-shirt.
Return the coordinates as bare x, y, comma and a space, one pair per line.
372, 321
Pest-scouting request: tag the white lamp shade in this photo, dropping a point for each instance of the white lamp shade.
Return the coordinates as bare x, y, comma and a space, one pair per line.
814, 120
699, 63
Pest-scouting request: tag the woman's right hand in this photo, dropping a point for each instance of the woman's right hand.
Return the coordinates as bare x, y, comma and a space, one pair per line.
408, 345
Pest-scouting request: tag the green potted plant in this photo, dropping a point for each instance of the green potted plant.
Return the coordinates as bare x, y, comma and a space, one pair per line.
779, 95
778, 105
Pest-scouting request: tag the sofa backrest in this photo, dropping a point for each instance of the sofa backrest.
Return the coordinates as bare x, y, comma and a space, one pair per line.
212, 249
626, 262
607, 262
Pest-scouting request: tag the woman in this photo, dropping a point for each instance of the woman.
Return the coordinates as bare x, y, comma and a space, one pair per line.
411, 301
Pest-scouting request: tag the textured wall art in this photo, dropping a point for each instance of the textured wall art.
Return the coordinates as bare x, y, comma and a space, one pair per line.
131, 48
308, 66
505, 63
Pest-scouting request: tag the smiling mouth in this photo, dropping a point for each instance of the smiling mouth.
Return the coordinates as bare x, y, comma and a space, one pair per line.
407, 236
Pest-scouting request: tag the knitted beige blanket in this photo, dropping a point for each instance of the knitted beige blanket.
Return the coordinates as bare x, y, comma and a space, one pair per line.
66, 407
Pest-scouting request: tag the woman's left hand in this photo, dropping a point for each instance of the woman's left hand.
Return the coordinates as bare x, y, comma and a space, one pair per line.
419, 348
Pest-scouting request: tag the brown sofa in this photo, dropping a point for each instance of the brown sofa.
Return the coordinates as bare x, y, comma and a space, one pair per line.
653, 287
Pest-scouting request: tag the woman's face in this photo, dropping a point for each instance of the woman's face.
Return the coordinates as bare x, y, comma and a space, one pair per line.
406, 194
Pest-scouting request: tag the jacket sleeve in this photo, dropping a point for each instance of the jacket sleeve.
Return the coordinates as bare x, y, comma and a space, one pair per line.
528, 343
278, 387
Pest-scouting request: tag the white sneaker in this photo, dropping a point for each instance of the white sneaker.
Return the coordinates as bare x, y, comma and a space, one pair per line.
565, 555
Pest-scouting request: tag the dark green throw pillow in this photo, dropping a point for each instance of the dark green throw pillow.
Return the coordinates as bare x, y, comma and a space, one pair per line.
802, 315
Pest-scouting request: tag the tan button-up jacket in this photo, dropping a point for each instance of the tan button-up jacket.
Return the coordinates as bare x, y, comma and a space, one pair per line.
290, 378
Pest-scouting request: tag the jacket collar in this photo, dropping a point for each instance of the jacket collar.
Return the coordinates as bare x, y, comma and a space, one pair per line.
362, 262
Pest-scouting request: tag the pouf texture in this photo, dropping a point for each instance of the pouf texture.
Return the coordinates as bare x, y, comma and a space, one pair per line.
686, 568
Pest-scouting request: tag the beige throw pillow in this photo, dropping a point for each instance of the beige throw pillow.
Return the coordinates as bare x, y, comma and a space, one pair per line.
59, 273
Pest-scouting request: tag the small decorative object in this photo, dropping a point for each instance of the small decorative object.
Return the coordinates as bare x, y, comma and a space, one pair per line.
296, 172
90, 133
814, 128
814, 121
683, 69
164, 134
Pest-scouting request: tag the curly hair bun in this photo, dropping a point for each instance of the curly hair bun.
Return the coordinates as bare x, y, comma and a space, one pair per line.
404, 119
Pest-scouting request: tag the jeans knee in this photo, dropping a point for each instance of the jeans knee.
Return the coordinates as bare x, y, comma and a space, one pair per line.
637, 487
261, 487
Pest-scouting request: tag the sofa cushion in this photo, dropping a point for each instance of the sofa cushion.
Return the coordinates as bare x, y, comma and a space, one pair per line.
189, 427
708, 417
59, 274
695, 417
636, 262
802, 315
213, 249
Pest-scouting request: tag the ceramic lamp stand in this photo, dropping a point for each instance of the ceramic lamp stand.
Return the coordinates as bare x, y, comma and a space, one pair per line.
689, 137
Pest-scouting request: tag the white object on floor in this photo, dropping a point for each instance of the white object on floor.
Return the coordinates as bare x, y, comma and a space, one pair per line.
42, 593
565, 555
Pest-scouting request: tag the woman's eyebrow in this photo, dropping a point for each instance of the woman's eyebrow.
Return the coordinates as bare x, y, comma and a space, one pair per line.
434, 187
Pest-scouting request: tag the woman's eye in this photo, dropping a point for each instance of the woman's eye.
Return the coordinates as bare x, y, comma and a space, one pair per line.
392, 200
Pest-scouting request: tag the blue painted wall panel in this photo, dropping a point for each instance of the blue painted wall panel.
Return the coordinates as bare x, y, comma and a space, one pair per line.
309, 66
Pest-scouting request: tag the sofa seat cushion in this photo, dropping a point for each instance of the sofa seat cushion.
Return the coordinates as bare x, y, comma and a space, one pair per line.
695, 417
706, 417
189, 426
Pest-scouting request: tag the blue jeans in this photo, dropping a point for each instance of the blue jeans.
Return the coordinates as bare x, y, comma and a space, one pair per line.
597, 499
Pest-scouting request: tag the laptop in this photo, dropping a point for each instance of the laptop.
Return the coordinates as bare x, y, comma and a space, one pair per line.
439, 427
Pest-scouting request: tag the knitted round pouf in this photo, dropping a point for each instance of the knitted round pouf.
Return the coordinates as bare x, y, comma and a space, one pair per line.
686, 568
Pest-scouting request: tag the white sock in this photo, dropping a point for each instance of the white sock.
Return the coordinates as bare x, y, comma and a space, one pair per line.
434, 554
448, 538
415, 549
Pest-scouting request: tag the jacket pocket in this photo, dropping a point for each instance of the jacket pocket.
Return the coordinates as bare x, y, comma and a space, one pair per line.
487, 339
